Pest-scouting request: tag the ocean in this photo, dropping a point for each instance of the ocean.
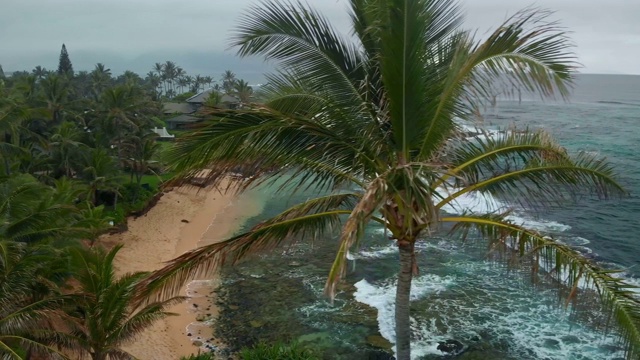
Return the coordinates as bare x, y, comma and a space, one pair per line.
494, 311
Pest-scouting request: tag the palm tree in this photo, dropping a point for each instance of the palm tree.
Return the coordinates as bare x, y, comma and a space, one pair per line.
143, 151
39, 72
153, 82
56, 91
65, 145
182, 83
130, 78
180, 72
198, 83
243, 91
100, 79
377, 117
28, 302
32, 212
101, 172
159, 69
228, 81
119, 110
169, 74
207, 80
107, 315
102, 69
13, 116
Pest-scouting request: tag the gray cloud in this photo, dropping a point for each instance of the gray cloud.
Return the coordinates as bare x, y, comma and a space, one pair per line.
128, 34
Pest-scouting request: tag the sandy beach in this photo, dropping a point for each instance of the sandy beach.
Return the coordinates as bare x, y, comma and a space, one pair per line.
183, 219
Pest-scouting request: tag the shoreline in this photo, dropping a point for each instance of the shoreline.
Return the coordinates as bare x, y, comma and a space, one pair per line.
183, 219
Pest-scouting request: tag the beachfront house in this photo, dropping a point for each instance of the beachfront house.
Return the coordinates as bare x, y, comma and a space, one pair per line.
187, 113
224, 101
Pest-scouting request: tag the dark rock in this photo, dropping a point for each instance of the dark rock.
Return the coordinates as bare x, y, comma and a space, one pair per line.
379, 355
451, 347
552, 344
185, 221
570, 339
379, 342
195, 305
188, 334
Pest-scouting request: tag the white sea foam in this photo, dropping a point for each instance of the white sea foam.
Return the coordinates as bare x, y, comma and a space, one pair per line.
382, 298
378, 252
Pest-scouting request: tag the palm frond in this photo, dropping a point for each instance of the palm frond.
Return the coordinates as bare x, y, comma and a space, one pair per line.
549, 178
8, 352
569, 267
353, 230
265, 143
301, 38
119, 354
35, 347
145, 317
486, 152
289, 94
528, 50
411, 30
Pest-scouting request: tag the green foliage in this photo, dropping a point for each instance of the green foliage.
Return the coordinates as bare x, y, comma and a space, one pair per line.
278, 351
118, 214
136, 197
155, 181
28, 299
32, 211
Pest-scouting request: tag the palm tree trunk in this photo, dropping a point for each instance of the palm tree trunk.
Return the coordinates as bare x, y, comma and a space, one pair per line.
403, 294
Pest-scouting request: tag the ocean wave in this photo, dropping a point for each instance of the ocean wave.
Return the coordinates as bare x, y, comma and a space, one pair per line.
488, 306
617, 103
382, 298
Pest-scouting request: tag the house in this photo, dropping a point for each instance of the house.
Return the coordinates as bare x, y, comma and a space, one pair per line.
182, 121
185, 113
225, 101
163, 134
178, 108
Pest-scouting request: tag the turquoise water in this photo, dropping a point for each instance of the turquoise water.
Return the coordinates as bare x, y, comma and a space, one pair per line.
460, 294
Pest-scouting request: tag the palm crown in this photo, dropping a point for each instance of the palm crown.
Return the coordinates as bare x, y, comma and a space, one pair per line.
376, 113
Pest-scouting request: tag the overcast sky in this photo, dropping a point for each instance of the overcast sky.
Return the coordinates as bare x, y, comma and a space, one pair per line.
134, 34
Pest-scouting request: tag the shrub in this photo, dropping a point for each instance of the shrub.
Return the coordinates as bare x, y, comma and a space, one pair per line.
119, 214
278, 351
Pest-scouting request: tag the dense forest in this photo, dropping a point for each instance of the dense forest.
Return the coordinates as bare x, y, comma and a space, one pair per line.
77, 157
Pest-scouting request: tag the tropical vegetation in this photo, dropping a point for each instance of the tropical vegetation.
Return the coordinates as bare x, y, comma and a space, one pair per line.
77, 155
371, 120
